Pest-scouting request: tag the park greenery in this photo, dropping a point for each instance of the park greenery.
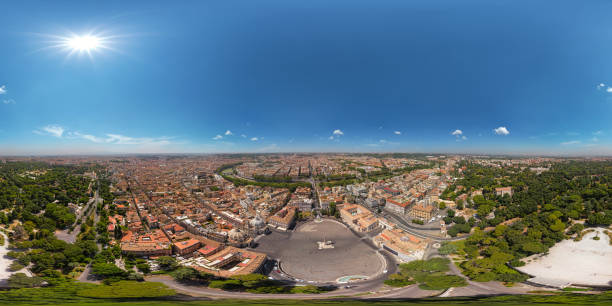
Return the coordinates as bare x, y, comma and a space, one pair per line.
147, 293
429, 274
40, 193
67, 291
542, 211
37, 197
253, 283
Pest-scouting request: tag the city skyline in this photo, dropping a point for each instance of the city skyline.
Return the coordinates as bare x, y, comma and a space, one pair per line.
424, 76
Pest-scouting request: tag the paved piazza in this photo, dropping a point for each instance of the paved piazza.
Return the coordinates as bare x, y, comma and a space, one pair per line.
586, 262
301, 257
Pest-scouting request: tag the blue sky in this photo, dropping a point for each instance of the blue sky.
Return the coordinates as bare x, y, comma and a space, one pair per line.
416, 76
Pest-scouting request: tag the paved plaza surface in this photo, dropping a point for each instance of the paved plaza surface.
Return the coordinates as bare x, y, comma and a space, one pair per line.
585, 262
301, 258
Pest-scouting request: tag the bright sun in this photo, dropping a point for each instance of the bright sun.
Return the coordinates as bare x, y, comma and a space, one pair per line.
84, 43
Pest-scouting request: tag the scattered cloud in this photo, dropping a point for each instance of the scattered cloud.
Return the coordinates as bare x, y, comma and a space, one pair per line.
331, 137
9, 101
338, 133
2, 89
600, 132
243, 136
397, 133
502, 130
228, 133
595, 139
457, 132
254, 139
126, 140
120, 139
217, 137
91, 138
571, 142
382, 141
459, 135
52, 130
60, 132
603, 86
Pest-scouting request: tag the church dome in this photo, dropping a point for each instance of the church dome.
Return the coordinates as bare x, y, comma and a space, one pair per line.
237, 235
257, 222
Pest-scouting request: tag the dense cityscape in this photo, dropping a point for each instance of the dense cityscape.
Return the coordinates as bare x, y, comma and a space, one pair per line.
309, 224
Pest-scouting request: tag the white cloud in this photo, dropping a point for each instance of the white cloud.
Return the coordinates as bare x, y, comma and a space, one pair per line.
459, 135
228, 133
331, 137
600, 132
2, 89
602, 86
52, 129
572, 142
9, 101
254, 139
595, 139
243, 136
126, 140
217, 137
338, 133
58, 131
382, 141
397, 133
502, 130
91, 138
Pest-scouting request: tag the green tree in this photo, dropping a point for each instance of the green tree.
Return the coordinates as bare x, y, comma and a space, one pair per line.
167, 263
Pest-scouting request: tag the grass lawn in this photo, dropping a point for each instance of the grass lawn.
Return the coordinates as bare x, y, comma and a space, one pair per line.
127, 293
562, 299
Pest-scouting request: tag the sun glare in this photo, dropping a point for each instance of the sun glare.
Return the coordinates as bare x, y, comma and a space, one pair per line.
84, 43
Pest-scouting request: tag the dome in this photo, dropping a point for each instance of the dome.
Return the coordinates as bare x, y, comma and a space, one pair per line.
257, 222
237, 235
